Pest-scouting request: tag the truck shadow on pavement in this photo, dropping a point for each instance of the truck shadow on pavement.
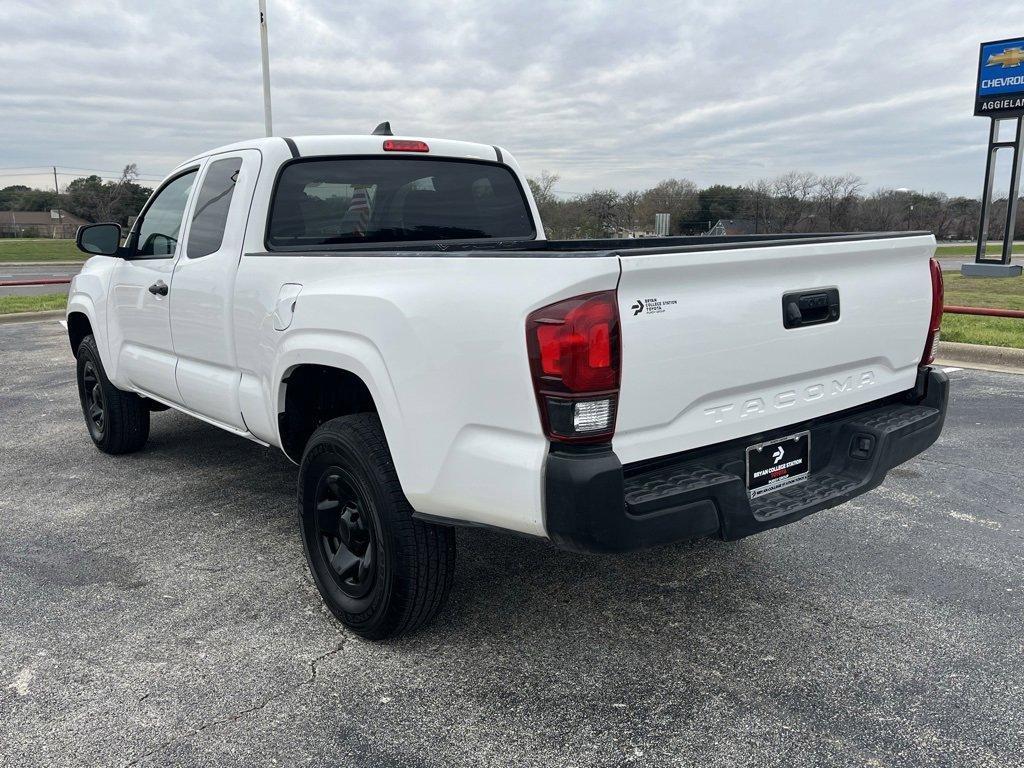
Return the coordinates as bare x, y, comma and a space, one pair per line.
505, 584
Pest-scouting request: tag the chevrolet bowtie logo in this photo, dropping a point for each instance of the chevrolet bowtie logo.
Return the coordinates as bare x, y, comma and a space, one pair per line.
1010, 57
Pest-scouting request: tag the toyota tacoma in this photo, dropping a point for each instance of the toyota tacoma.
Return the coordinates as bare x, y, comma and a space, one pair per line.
388, 312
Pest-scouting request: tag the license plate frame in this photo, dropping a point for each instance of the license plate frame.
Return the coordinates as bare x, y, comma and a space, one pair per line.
768, 474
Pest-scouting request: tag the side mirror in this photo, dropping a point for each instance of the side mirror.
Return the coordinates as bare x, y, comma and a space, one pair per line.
99, 239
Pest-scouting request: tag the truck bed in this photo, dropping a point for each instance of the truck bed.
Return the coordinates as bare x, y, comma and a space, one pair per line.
620, 246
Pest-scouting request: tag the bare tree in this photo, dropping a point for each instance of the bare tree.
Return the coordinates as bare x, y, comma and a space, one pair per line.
762, 206
116, 193
676, 197
631, 211
836, 197
543, 186
794, 193
552, 214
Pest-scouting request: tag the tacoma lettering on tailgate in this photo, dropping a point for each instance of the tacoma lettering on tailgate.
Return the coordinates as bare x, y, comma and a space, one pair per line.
789, 397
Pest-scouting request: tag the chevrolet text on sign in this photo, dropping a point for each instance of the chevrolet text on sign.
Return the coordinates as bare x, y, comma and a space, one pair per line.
1000, 91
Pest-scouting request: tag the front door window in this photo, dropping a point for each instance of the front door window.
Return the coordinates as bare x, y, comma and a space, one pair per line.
158, 233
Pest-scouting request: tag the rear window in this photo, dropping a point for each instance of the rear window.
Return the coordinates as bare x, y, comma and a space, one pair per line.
211, 217
395, 199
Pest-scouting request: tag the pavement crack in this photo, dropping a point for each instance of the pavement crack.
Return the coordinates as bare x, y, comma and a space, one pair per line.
233, 717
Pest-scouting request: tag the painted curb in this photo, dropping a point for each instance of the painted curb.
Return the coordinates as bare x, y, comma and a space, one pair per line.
41, 264
32, 317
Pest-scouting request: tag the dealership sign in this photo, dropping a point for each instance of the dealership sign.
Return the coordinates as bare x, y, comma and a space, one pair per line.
1000, 91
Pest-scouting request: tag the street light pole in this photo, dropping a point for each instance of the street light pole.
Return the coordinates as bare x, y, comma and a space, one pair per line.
267, 119
56, 200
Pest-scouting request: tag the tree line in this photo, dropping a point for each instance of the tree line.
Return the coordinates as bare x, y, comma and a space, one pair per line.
88, 197
792, 202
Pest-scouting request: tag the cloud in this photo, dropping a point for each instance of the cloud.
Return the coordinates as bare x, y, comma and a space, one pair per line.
607, 94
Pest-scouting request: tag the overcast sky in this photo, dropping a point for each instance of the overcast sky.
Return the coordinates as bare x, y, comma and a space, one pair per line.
612, 94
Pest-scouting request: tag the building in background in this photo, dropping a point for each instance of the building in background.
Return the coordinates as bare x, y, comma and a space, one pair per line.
39, 224
733, 227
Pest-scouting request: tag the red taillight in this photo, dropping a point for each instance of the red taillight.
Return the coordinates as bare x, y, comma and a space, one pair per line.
935, 321
401, 145
574, 358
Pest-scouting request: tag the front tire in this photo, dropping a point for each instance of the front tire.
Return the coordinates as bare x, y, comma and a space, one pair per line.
380, 572
118, 421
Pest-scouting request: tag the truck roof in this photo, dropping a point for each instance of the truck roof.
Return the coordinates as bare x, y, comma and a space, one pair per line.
340, 144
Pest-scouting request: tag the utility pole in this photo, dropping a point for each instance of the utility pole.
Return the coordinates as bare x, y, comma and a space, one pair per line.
56, 197
267, 119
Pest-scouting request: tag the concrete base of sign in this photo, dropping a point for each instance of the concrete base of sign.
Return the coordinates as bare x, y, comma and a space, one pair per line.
990, 270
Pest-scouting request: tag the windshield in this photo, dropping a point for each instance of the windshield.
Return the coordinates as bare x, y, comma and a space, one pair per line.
395, 199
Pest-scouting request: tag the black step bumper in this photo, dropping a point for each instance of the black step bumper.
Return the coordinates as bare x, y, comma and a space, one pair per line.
594, 504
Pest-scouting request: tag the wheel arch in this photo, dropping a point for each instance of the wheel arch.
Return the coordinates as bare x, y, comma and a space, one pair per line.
82, 319
348, 360
79, 326
311, 394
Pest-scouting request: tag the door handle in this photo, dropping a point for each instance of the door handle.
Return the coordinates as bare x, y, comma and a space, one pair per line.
159, 288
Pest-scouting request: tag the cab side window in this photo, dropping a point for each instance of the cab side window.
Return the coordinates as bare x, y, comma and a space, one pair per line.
158, 233
208, 222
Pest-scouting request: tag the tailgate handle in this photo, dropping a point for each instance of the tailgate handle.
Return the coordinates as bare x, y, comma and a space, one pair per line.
814, 307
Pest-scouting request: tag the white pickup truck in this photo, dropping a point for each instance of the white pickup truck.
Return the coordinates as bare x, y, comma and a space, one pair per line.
388, 312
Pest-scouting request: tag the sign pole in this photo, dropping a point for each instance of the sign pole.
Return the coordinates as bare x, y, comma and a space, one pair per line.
56, 200
986, 194
1011, 198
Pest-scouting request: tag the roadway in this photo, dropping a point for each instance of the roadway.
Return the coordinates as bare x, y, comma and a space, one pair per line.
39, 271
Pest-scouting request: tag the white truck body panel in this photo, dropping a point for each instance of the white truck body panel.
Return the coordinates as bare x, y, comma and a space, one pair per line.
140, 327
201, 304
447, 366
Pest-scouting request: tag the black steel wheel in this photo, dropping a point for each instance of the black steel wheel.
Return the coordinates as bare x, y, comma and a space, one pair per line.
348, 539
118, 421
93, 404
380, 572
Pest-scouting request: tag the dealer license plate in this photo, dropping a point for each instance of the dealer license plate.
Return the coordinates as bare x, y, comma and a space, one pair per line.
778, 464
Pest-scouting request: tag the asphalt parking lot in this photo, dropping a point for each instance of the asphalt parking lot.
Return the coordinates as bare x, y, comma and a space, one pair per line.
156, 610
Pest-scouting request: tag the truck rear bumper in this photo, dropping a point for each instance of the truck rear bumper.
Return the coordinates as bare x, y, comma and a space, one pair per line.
594, 504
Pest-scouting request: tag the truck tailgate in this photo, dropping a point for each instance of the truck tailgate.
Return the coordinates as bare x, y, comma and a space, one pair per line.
706, 355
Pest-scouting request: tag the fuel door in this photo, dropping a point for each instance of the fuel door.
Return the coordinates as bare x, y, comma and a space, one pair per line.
284, 308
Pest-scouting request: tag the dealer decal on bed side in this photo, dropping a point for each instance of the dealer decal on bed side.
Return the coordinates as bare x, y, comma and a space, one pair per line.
651, 306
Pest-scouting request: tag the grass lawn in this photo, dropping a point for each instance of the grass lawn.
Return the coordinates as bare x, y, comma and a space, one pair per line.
991, 331
1001, 292
48, 301
1005, 293
15, 249
993, 251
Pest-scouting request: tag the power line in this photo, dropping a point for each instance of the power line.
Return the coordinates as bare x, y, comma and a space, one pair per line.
73, 175
105, 170
69, 170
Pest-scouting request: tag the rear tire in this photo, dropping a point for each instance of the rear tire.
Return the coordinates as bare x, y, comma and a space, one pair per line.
118, 421
380, 572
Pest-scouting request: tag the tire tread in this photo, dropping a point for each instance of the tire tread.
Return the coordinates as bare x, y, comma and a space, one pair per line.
127, 417
425, 553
